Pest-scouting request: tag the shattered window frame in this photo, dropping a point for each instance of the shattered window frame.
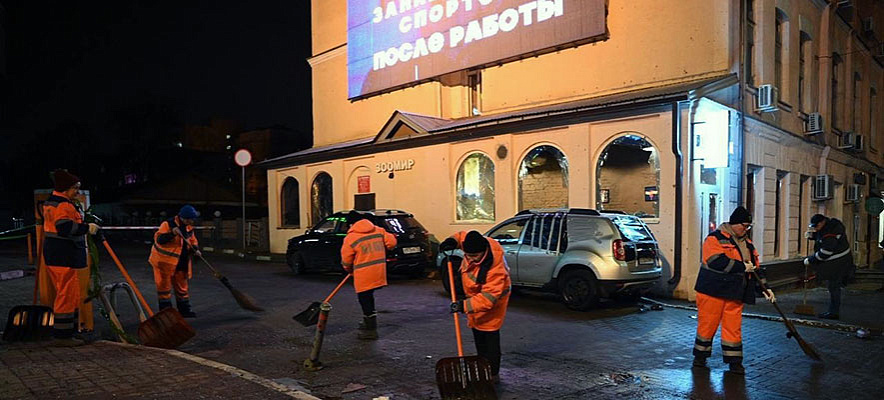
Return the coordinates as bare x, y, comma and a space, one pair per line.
321, 197
653, 162
474, 197
290, 203
526, 164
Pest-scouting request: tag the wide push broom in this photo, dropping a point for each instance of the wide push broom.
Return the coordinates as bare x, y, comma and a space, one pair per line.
463, 377
792, 332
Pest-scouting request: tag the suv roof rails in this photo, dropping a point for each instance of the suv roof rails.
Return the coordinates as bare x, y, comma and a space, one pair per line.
578, 211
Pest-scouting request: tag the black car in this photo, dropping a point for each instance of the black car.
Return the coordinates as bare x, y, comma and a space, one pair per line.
319, 248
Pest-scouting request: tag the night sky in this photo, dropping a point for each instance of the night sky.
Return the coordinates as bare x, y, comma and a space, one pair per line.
78, 72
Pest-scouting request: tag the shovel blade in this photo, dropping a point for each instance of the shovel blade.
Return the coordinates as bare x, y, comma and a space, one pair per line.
465, 378
166, 329
28, 323
310, 316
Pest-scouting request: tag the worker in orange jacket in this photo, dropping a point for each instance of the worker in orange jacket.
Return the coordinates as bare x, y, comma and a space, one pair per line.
724, 284
64, 251
364, 254
486, 282
172, 260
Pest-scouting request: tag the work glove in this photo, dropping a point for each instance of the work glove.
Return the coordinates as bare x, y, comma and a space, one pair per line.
177, 231
749, 266
448, 245
768, 294
456, 306
93, 228
806, 261
809, 234
197, 252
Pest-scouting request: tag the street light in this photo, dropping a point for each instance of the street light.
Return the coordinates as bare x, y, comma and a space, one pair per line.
243, 158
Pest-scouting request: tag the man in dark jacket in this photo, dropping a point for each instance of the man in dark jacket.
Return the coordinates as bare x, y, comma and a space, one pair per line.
726, 281
831, 258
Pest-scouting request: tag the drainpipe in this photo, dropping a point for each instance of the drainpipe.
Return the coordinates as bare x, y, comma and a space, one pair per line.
821, 208
676, 150
741, 96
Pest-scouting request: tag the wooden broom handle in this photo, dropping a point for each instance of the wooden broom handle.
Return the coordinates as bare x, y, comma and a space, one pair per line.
454, 299
126, 275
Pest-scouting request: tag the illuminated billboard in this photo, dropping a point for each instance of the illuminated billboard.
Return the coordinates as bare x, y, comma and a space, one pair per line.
392, 43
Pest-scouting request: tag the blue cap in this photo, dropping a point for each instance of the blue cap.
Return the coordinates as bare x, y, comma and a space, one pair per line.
187, 212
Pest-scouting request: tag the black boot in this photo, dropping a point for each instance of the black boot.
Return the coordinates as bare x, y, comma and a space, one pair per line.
737, 368
184, 309
368, 328
164, 304
699, 363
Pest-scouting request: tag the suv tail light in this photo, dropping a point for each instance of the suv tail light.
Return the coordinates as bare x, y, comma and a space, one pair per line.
619, 251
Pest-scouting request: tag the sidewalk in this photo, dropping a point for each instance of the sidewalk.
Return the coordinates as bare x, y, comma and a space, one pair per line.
107, 369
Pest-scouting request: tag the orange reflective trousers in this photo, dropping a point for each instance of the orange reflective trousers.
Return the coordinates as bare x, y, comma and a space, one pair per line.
715, 311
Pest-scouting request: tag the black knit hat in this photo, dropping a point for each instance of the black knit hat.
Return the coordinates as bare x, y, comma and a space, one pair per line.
64, 180
474, 242
816, 219
740, 216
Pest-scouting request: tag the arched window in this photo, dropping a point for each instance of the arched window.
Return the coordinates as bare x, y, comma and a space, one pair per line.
543, 179
475, 189
321, 200
628, 177
290, 204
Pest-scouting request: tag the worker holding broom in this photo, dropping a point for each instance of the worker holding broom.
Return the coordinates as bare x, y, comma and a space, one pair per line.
64, 252
486, 282
726, 281
364, 254
172, 260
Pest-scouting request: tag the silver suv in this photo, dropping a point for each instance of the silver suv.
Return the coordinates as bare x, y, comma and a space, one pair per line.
582, 254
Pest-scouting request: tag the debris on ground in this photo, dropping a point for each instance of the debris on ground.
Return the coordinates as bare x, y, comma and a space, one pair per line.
656, 307
694, 316
624, 378
14, 274
863, 334
352, 387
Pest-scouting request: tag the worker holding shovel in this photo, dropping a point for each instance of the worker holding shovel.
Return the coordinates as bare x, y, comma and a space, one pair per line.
726, 282
486, 282
364, 254
172, 260
64, 251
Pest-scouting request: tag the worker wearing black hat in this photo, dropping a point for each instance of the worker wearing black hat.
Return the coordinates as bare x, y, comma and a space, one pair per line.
831, 258
724, 284
486, 283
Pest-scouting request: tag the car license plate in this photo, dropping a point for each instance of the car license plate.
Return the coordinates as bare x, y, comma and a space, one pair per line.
645, 261
411, 250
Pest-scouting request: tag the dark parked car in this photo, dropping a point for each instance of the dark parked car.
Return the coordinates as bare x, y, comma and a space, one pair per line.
319, 248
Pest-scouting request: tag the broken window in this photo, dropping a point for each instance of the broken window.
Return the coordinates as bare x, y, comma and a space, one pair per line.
289, 203
543, 179
475, 189
321, 197
629, 171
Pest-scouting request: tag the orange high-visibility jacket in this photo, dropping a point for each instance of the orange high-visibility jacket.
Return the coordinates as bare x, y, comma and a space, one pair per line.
486, 303
65, 232
722, 273
166, 255
364, 253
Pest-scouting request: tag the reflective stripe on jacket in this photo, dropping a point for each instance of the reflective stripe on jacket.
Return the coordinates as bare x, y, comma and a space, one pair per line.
364, 253
830, 242
486, 302
722, 273
167, 246
65, 233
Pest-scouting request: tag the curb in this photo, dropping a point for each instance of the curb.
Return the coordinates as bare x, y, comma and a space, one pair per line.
807, 322
267, 383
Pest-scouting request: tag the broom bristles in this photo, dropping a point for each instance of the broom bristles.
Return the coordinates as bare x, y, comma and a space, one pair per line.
245, 301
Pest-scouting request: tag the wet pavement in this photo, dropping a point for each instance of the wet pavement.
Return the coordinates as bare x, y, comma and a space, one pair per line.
549, 352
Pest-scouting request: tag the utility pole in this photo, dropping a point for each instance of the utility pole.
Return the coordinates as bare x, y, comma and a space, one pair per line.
243, 158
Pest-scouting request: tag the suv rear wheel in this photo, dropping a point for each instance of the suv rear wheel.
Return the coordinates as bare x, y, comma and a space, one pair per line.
579, 289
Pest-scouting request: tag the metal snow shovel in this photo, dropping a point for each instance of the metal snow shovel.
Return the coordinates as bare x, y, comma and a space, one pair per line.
792, 332
310, 316
166, 329
463, 377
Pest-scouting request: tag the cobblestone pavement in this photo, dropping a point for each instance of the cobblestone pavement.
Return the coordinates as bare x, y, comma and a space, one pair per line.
549, 352
105, 370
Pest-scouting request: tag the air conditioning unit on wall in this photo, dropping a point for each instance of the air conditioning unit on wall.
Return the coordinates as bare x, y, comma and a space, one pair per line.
766, 98
852, 195
847, 140
823, 186
813, 124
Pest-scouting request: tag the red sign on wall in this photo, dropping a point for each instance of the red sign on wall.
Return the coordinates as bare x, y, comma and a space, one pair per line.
363, 184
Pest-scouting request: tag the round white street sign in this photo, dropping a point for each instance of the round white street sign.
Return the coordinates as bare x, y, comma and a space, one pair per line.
242, 157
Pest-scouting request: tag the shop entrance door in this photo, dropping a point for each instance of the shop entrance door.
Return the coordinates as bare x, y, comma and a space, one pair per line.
363, 202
